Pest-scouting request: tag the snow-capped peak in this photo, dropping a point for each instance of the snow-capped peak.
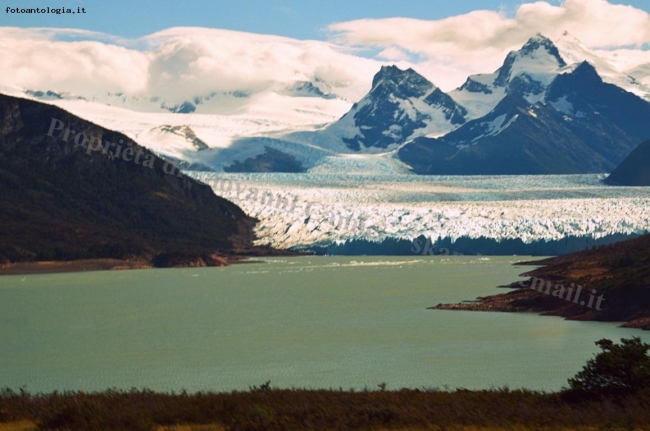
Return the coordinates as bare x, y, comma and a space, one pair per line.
526, 73
540, 47
401, 106
539, 58
529, 71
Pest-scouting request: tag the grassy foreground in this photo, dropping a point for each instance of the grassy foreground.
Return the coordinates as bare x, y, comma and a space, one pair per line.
265, 408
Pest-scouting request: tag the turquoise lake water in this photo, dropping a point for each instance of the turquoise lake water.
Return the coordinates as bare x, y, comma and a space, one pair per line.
308, 322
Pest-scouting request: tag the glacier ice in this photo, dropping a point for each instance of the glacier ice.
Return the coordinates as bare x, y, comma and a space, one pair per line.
302, 210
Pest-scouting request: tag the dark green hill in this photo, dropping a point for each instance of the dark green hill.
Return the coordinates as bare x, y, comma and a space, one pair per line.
63, 201
634, 170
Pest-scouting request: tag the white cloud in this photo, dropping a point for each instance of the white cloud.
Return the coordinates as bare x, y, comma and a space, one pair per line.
393, 53
200, 59
31, 59
174, 64
180, 63
478, 41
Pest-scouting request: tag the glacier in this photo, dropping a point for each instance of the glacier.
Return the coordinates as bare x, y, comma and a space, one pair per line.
323, 209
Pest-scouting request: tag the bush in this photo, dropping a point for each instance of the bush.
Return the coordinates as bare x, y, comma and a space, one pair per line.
620, 369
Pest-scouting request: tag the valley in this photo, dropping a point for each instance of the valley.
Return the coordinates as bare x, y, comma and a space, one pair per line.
367, 215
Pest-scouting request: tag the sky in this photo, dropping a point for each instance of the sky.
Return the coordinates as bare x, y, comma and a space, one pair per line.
147, 47
298, 19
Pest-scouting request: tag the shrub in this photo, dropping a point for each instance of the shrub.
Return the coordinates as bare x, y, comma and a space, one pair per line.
620, 369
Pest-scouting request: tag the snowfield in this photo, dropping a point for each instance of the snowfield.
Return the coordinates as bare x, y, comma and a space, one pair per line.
303, 210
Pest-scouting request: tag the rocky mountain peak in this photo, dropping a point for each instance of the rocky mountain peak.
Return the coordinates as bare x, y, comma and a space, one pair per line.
402, 83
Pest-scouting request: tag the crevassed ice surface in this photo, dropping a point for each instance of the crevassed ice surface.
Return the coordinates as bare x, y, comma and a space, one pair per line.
325, 208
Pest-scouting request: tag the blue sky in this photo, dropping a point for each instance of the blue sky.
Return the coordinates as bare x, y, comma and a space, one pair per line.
293, 18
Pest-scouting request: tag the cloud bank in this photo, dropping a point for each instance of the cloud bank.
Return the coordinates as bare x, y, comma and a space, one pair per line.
175, 64
478, 41
181, 63
34, 59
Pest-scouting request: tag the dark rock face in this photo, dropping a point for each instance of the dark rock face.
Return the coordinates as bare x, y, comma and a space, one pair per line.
271, 160
307, 89
403, 84
623, 115
453, 112
188, 134
68, 199
539, 41
523, 85
475, 87
182, 108
634, 170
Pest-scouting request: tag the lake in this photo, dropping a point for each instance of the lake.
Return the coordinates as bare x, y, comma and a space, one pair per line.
308, 322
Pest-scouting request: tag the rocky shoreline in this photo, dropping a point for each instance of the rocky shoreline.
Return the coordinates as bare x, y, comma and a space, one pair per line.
84, 265
508, 303
613, 281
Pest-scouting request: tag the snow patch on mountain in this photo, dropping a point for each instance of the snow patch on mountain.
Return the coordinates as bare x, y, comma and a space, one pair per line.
562, 105
498, 125
478, 96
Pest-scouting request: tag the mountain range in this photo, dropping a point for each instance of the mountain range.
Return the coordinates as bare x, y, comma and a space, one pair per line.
579, 125
553, 107
536, 114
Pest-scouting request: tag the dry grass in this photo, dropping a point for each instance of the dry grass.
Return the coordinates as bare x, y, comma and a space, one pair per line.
26, 425
215, 427
192, 427
23, 425
265, 408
